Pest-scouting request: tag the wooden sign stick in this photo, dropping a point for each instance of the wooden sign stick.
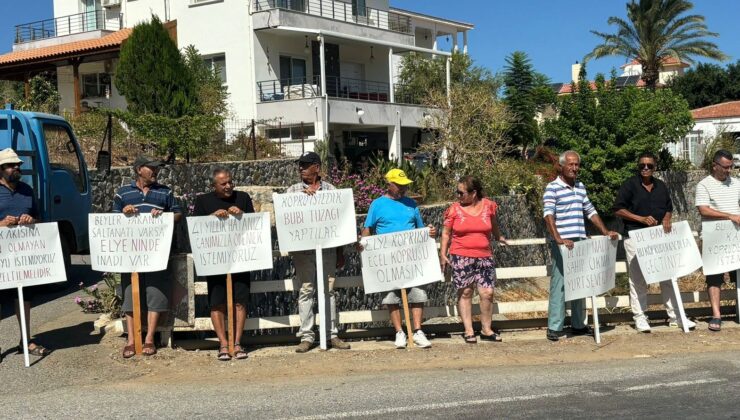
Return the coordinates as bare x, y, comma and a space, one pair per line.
230, 312
407, 316
138, 348
24, 335
595, 312
679, 305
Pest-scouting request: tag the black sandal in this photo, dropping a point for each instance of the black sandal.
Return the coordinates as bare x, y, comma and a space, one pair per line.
715, 324
223, 354
239, 353
37, 350
470, 339
493, 337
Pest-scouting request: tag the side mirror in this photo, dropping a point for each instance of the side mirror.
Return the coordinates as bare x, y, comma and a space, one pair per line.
103, 162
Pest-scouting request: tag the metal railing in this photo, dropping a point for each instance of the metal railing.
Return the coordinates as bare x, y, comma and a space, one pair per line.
292, 88
406, 95
68, 25
342, 11
336, 87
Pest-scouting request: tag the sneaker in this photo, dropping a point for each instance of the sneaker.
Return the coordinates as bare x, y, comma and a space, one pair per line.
553, 335
673, 322
421, 341
642, 325
337, 343
303, 347
400, 340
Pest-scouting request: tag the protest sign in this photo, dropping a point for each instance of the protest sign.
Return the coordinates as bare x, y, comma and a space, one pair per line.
664, 256
589, 269
230, 245
30, 255
127, 244
325, 219
720, 247
399, 260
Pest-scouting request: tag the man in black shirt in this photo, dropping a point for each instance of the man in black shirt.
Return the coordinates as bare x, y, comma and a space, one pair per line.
223, 202
644, 201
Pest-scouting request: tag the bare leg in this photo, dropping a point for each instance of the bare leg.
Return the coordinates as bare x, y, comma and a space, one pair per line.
486, 309
713, 292
465, 306
417, 311
395, 313
130, 328
241, 319
218, 316
152, 318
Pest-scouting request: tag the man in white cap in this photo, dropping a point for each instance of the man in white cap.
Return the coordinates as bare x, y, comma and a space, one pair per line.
17, 207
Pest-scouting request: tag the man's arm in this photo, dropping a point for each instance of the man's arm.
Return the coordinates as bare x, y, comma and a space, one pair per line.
709, 212
550, 223
596, 220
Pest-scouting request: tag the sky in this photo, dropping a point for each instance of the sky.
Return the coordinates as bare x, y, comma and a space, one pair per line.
554, 33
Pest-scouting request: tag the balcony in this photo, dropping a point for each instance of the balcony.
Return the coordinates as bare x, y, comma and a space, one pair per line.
336, 87
98, 20
341, 11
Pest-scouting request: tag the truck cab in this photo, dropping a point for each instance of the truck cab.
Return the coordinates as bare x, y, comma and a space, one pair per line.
53, 164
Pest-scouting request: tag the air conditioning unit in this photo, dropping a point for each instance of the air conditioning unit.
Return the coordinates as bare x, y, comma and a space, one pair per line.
110, 3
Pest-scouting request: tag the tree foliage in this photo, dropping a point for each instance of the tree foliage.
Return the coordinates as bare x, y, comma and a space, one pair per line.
526, 92
42, 96
152, 74
611, 127
211, 93
655, 30
708, 84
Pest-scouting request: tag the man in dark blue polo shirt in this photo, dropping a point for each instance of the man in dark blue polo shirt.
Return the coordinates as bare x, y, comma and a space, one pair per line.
145, 195
17, 207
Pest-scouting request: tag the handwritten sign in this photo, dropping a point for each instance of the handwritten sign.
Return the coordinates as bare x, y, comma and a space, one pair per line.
664, 256
325, 219
720, 247
399, 260
230, 245
30, 255
589, 269
127, 244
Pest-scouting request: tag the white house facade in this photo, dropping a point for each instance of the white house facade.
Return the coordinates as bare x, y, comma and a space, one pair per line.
329, 67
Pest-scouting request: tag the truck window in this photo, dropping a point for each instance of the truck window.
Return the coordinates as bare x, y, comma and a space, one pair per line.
63, 154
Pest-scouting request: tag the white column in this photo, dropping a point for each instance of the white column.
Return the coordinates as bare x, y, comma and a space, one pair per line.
395, 152
391, 86
322, 65
454, 42
465, 42
447, 81
434, 44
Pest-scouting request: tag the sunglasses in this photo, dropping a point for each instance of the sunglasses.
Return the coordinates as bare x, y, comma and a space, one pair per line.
643, 166
723, 166
461, 193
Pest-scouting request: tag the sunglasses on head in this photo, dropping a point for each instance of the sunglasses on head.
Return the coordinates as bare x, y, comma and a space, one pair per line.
642, 166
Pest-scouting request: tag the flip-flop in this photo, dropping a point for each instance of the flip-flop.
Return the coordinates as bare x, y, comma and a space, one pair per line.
715, 324
37, 350
495, 337
239, 353
223, 354
128, 352
470, 339
151, 347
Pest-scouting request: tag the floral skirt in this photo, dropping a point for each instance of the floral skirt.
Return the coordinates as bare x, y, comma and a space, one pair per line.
470, 271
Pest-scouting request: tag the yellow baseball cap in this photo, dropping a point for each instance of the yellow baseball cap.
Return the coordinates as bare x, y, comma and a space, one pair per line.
397, 176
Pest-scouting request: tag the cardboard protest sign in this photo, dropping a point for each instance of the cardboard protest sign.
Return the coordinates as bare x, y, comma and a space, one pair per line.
127, 244
589, 269
230, 245
664, 256
30, 255
399, 260
305, 222
720, 246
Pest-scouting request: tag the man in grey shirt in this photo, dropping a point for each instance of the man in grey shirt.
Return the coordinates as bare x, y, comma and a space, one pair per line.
718, 198
309, 165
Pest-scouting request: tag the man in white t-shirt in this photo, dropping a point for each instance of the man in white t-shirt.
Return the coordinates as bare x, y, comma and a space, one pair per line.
718, 198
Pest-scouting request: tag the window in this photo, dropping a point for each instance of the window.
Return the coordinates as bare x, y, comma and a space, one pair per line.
63, 154
359, 8
292, 70
293, 132
95, 85
297, 5
217, 63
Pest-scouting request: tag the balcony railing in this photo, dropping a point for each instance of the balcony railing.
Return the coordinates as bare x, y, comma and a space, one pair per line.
336, 87
68, 25
342, 11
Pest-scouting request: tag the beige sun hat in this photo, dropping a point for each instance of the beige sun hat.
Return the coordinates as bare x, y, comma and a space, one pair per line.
9, 156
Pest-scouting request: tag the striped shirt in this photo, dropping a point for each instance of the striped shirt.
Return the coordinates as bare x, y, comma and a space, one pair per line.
299, 187
722, 196
568, 205
158, 197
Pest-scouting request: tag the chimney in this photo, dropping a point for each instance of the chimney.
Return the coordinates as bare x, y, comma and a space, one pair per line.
575, 70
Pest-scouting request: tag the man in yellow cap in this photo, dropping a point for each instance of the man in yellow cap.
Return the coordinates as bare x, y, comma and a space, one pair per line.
394, 212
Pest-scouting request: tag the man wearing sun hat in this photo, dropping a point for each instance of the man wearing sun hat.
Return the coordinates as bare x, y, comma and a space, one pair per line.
394, 212
17, 207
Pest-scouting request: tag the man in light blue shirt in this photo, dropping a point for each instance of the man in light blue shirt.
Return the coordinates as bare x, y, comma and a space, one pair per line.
394, 212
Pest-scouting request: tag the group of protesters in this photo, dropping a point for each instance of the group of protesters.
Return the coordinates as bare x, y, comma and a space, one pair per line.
468, 233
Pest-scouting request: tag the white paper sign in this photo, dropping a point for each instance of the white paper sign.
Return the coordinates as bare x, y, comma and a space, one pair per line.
127, 244
720, 247
589, 269
305, 222
664, 256
399, 260
30, 255
230, 245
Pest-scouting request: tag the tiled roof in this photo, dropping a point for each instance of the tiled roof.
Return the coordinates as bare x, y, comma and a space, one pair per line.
620, 82
668, 61
723, 110
114, 39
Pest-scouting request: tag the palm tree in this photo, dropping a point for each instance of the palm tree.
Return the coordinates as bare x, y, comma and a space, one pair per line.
657, 30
